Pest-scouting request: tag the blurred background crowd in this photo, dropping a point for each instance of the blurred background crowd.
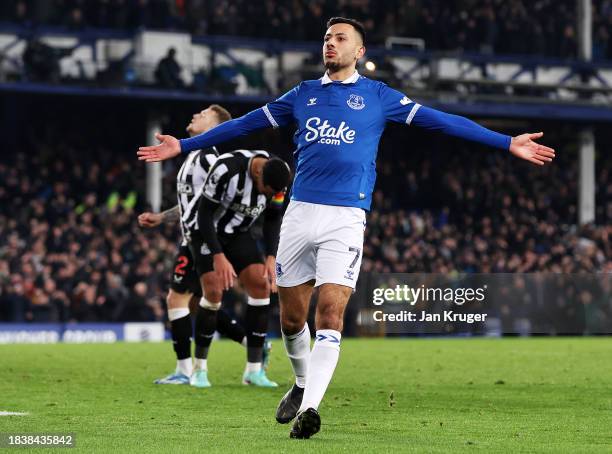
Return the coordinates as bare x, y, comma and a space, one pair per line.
481, 211
542, 27
71, 249
71, 187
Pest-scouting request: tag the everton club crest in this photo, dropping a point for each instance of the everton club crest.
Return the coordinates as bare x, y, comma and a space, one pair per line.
356, 102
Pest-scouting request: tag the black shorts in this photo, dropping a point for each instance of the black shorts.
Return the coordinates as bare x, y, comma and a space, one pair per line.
185, 277
241, 249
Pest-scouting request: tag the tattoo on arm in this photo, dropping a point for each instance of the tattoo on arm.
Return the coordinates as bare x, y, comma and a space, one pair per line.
171, 215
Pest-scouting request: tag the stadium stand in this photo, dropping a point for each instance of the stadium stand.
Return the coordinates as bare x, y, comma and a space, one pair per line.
479, 212
70, 248
72, 251
469, 25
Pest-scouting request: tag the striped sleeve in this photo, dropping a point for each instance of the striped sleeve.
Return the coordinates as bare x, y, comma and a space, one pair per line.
396, 106
227, 130
280, 112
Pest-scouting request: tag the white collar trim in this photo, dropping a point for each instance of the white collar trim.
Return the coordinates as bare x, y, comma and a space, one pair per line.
351, 80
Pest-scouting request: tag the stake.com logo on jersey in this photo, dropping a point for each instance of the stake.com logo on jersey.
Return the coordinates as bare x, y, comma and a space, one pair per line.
328, 134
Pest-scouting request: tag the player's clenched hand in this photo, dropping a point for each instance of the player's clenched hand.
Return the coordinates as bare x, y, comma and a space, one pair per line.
225, 270
270, 272
149, 220
168, 148
524, 147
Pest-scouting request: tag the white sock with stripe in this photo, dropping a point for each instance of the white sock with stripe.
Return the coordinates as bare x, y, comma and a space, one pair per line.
298, 351
323, 360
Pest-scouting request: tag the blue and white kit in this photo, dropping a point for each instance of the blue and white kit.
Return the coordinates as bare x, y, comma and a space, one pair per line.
339, 125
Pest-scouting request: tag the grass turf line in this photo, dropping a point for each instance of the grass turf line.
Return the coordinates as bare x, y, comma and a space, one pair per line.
388, 395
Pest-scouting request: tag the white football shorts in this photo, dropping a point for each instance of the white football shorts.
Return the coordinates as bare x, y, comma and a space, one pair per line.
320, 242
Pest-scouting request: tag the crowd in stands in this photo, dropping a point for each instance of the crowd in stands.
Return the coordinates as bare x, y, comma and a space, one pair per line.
543, 27
69, 245
71, 249
485, 212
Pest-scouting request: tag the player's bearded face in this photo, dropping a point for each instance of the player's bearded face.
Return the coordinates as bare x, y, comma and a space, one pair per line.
342, 47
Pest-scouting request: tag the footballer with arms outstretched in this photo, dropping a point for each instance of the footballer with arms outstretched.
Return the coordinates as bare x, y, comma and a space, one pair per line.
340, 119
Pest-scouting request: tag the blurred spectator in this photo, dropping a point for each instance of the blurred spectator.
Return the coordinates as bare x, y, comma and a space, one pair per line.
41, 62
15, 301
484, 213
138, 306
168, 71
499, 26
21, 14
75, 20
69, 244
71, 249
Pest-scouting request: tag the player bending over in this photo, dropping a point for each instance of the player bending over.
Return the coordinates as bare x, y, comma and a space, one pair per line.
340, 119
241, 186
185, 285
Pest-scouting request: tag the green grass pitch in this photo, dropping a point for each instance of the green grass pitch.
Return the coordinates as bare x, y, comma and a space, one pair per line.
388, 395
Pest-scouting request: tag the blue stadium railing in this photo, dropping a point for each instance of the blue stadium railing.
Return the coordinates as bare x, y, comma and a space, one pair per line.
590, 102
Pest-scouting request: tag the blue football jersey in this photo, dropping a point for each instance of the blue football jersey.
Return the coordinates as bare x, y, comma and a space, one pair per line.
339, 125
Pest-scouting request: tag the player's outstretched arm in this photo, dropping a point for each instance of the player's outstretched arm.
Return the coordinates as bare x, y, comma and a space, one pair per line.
170, 147
525, 147
522, 146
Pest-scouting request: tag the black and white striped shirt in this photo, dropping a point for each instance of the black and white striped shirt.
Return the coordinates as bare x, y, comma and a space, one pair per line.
230, 184
189, 182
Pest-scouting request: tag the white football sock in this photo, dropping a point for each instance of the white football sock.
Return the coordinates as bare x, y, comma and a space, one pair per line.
184, 366
201, 364
252, 367
323, 360
298, 351
244, 341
